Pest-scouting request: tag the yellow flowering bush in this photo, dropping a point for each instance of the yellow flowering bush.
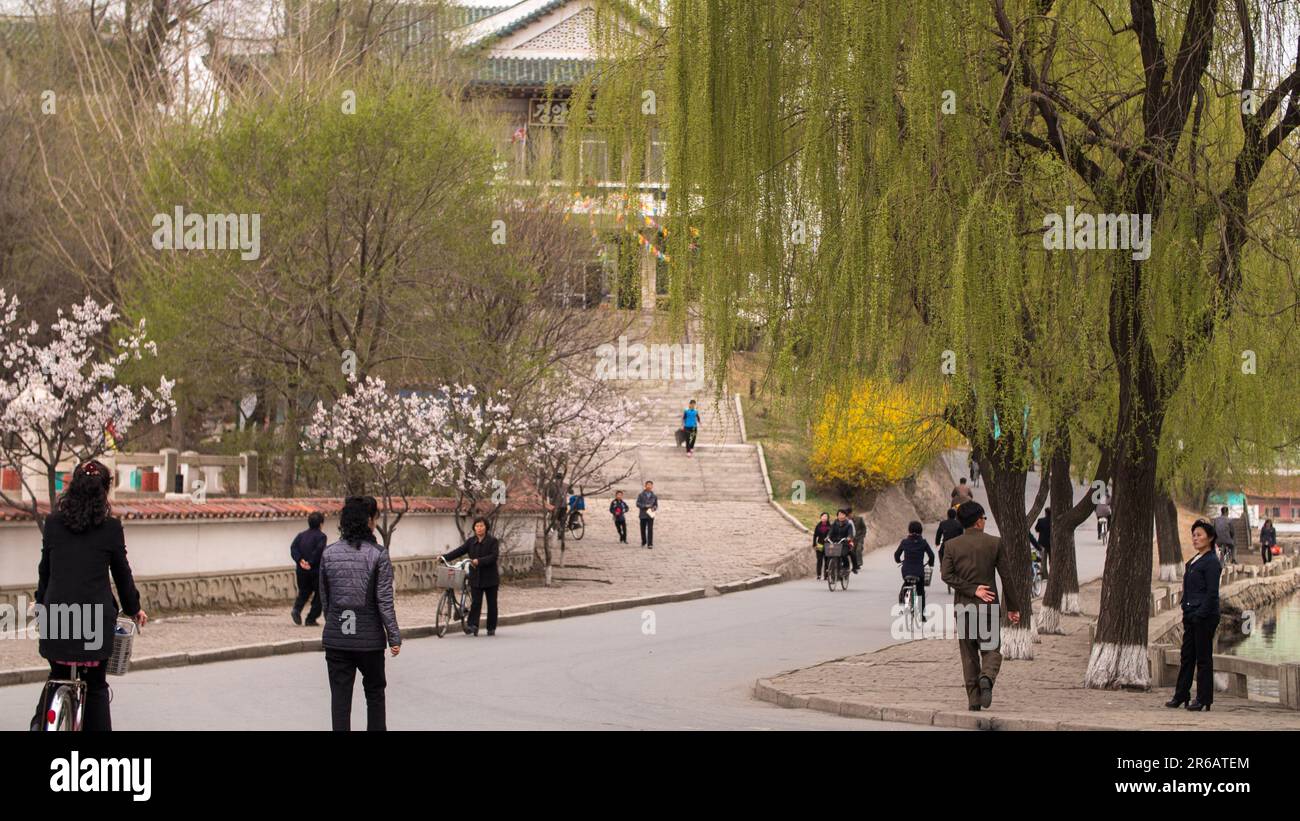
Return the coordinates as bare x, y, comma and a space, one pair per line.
885, 435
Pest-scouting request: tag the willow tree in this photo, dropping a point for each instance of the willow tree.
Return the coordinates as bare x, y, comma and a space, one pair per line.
874, 181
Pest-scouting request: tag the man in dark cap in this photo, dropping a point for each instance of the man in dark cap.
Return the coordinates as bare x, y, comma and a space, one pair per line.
969, 563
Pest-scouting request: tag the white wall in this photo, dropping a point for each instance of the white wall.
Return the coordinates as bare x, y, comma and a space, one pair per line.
171, 547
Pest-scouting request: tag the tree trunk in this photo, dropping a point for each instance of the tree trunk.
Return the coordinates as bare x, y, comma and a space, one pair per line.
1170, 549
1062, 594
1119, 652
1006, 492
289, 457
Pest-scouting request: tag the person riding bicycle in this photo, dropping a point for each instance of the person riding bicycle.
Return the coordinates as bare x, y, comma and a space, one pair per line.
842, 530
1103, 516
84, 544
1044, 541
577, 504
914, 554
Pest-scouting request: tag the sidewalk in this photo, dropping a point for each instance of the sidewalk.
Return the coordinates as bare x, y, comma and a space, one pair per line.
920, 682
701, 548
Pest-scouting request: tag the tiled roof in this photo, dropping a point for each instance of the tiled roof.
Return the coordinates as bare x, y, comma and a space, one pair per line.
532, 71
258, 508
526, 20
1274, 487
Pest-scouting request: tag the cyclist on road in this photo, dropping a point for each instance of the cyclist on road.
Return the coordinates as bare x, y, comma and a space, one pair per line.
961, 492
1103, 516
1044, 541
83, 545
577, 504
914, 554
949, 528
842, 530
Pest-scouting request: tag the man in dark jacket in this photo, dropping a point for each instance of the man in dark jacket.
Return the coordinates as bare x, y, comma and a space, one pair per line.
484, 579
969, 567
914, 554
949, 528
859, 536
647, 503
356, 590
306, 551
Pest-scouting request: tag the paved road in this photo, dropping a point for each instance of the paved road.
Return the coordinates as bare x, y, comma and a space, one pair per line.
604, 671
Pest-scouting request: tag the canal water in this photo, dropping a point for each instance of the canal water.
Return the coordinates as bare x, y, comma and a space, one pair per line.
1274, 636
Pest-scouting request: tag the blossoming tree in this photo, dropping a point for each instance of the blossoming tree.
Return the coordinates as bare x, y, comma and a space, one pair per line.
60, 399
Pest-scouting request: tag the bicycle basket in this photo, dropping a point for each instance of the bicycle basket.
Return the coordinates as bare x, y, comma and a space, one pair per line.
119, 663
835, 550
448, 577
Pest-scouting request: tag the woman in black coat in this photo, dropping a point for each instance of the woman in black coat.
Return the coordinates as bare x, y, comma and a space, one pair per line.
1200, 620
820, 532
82, 545
483, 551
1267, 538
914, 554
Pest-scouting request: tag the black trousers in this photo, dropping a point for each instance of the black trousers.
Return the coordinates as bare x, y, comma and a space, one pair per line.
1266, 552
690, 438
96, 716
821, 560
621, 526
647, 532
477, 594
1198, 654
308, 588
342, 666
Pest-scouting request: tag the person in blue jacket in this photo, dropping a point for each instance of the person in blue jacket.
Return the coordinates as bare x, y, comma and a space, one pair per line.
691, 424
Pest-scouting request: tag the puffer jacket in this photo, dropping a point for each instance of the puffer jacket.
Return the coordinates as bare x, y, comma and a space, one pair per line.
356, 591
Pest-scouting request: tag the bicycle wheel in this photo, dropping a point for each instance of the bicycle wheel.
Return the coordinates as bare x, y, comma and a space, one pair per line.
1038, 585
60, 716
844, 578
443, 618
832, 571
579, 527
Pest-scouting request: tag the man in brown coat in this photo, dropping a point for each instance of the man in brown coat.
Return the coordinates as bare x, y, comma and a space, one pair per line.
969, 563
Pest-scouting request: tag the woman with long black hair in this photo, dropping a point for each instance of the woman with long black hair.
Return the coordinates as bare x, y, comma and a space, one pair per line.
82, 546
356, 591
1200, 620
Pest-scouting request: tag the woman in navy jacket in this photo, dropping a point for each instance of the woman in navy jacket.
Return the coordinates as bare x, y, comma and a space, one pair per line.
914, 554
1200, 620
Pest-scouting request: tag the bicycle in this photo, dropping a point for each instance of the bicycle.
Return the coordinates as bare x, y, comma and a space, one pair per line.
1103, 529
66, 708
1038, 583
912, 602
451, 607
837, 570
574, 523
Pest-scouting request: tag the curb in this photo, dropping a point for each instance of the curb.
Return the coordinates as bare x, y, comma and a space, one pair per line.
766, 690
30, 675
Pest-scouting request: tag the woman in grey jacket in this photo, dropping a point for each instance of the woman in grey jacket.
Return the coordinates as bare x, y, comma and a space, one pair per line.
356, 590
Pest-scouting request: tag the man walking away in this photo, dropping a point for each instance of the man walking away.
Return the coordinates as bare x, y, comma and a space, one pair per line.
961, 492
969, 565
858, 537
647, 503
974, 470
949, 528
691, 424
618, 508
306, 551
1223, 535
